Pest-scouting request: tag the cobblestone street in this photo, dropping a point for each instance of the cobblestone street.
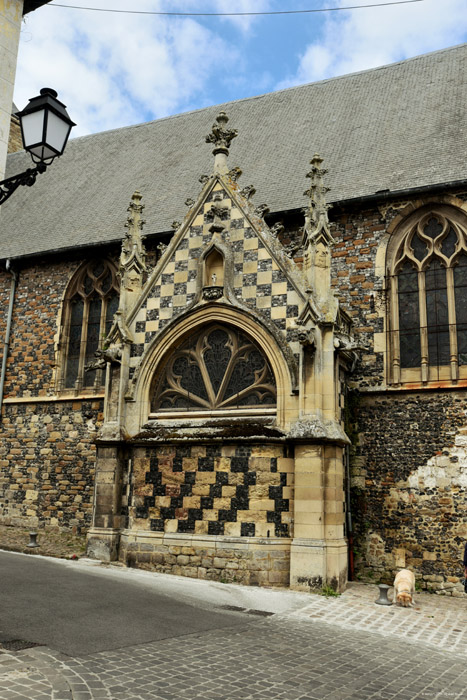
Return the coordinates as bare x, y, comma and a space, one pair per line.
295, 659
280, 645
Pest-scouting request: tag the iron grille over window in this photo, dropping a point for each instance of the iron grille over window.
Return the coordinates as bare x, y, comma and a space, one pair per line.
429, 302
91, 303
218, 368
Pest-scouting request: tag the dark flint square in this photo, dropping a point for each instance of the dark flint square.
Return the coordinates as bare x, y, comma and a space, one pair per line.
247, 530
227, 516
157, 525
215, 528
206, 464
281, 530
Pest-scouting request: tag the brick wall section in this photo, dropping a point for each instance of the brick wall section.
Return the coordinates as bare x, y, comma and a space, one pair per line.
36, 309
410, 485
47, 463
357, 236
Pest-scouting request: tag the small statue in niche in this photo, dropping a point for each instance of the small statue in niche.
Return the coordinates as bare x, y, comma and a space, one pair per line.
214, 279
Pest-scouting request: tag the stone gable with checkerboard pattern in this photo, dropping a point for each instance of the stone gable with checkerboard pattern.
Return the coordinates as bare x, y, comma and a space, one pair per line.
259, 278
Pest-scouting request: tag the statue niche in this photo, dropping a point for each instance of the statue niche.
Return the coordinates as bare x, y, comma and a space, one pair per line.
213, 275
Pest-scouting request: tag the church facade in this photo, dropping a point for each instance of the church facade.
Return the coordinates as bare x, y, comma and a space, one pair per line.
268, 395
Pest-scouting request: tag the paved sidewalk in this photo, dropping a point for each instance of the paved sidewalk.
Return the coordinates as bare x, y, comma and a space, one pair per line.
437, 621
308, 648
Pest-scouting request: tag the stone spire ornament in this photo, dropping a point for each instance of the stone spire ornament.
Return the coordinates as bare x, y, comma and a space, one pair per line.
317, 239
221, 137
316, 214
133, 255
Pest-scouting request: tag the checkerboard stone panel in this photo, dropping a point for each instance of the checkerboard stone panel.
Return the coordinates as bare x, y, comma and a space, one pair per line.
214, 490
258, 280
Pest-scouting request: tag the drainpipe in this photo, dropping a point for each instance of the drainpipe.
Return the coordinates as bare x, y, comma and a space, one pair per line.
14, 279
349, 514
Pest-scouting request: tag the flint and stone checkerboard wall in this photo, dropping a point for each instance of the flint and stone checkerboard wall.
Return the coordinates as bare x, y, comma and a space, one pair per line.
236, 490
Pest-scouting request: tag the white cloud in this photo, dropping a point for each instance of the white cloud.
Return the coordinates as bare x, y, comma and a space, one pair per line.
114, 69
361, 39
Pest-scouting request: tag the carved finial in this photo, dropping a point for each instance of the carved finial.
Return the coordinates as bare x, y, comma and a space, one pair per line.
203, 179
316, 214
221, 138
133, 255
317, 239
132, 246
189, 202
176, 224
248, 191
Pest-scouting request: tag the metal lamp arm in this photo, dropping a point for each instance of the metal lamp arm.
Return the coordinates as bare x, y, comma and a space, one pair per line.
28, 178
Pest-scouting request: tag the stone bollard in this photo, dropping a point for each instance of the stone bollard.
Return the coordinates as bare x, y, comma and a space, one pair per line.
33, 540
383, 594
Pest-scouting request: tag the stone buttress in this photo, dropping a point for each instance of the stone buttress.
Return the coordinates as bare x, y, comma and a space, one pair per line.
221, 456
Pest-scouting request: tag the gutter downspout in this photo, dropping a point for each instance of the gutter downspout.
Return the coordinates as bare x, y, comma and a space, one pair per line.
14, 279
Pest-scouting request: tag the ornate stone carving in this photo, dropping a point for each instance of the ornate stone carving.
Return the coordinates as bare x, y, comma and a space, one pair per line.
176, 224
277, 229
262, 210
133, 254
316, 214
161, 248
217, 212
113, 354
235, 174
248, 191
220, 136
203, 179
212, 293
189, 202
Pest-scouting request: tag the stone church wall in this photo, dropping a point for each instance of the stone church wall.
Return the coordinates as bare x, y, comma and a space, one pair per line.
408, 454
47, 464
410, 486
47, 453
185, 496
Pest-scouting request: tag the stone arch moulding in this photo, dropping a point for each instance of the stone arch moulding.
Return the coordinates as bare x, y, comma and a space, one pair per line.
214, 313
417, 205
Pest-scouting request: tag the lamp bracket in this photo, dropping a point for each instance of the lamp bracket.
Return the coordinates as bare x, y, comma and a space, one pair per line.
28, 178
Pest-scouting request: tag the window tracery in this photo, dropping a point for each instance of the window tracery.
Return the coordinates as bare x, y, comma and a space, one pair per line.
90, 304
428, 285
218, 368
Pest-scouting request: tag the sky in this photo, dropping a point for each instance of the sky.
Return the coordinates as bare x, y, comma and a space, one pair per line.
114, 69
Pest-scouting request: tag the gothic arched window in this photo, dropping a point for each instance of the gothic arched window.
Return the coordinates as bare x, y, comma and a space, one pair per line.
428, 284
90, 304
219, 368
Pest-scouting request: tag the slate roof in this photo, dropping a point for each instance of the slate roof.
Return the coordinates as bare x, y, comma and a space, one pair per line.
395, 127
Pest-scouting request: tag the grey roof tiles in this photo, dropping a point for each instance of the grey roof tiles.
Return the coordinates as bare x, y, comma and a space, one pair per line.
396, 127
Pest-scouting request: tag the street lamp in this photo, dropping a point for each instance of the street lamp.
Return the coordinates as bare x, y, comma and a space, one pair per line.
45, 128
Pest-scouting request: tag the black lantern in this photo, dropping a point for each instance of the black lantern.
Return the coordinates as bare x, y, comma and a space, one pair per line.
45, 126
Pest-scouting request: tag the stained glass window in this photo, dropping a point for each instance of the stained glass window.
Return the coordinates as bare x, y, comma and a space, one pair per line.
219, 367
91, 303
429, 287
409, 317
